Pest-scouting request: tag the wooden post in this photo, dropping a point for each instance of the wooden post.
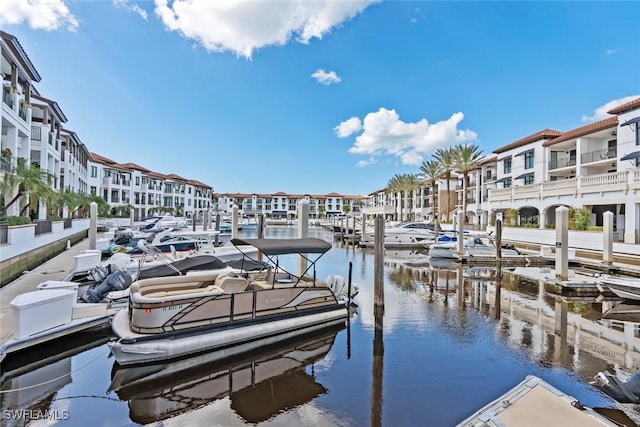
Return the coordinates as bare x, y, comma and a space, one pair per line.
498, 240
234, 221
607, 234
378, 263
260, 232
303, 231
562, 248
353, 232
132, 213
460, 232
193, 220
496, 304
217, 241
93, 224
460, 285
205, 220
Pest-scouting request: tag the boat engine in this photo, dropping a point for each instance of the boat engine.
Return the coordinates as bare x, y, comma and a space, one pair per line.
623, 392
119, 280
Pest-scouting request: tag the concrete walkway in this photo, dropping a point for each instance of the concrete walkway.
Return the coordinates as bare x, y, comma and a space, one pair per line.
54, 269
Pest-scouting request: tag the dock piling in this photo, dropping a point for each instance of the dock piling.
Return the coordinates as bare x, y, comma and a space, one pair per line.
378, 264
303, 231
498, 240
459, 230
234, 221
93, 224
607, 252
562, 248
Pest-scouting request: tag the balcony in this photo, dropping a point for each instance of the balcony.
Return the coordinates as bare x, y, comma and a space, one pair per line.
36, 133
598, 155
7, 96
562, 162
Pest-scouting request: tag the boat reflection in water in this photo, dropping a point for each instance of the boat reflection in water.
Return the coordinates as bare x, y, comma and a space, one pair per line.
30, 379
259, 384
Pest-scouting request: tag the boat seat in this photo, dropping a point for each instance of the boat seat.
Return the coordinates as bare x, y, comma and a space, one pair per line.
231, 284
258, 285
213, 289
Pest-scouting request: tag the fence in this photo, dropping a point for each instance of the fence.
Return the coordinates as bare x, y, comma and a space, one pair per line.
68, 223
43, 226
4, 232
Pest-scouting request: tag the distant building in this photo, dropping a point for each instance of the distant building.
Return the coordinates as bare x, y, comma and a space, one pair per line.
285, 206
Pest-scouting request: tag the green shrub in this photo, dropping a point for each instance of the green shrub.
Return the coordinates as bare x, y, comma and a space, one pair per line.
550, 226
54, 218
594, 228
16, 220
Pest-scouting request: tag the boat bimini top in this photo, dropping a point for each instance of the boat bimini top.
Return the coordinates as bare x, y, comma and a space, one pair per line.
271, 248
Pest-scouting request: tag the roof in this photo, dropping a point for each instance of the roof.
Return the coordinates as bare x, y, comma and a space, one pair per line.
101, 159
584, 130
21, 55
306, 245
631, 105
53, 105
542, 134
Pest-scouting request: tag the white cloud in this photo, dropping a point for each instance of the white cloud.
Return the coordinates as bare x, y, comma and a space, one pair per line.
367, 162
39, 14
127, 4
600, 113
348, 127
611, 51
385, 134
326, 78
242, 26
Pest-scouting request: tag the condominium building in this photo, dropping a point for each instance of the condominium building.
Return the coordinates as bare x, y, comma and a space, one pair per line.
285, 206
131, 186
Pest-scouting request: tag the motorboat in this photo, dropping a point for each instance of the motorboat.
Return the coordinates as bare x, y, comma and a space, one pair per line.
534, 402
259, 384
622, 391
472, 246
405, 234
172, 317
624, 287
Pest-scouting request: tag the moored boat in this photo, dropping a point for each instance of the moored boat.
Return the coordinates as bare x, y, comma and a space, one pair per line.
172, 317
405, 234
624, 287
472, 246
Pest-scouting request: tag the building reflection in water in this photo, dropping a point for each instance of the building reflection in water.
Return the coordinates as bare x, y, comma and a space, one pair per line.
582, 334
259, 385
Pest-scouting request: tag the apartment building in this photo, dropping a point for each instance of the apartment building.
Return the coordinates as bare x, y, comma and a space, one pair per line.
285, 206
131, 186
595, 166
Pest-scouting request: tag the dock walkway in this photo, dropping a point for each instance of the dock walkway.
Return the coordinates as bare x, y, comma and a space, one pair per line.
54, 269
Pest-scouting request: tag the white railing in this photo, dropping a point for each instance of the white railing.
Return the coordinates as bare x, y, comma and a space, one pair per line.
498, 195
603, 182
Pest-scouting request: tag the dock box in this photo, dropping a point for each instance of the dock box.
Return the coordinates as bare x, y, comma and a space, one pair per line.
87, 259
102, 244
37, 311
60, 284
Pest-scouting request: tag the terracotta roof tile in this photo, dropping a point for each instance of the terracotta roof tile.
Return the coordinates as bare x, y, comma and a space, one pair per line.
631, 105
543, 134
584, 130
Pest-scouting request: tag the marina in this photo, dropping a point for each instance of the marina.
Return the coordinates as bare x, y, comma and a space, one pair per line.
459, 325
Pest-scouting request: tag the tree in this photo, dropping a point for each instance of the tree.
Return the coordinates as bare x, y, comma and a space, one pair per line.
465, 159
404, 183
27, 182
444, 156
84, 204
432, 172
68, 199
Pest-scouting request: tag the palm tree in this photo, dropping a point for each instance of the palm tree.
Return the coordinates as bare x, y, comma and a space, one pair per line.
32, 183
68, 199
85, 200
466, 158
444, 156
432, 172
404, 183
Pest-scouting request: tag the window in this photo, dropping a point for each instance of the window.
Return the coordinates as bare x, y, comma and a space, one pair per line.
528, 180
137, 180
637, 133
94, 171
506, 164
528, 160
507, 182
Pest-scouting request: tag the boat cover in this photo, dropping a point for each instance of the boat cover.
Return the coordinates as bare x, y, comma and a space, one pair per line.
306, 245
194, 263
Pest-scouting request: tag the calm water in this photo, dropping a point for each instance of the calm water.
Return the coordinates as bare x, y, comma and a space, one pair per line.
435, 359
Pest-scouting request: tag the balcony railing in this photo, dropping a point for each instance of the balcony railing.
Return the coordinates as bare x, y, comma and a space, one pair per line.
36, 133
43, 226
597, 155
4, 232
562, 162
7, 96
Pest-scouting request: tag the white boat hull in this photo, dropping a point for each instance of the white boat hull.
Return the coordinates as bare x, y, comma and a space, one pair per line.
624, 288
130, 350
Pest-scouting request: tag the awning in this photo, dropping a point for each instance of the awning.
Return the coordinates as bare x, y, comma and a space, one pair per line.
631, 121
522, 153
506, 178
524, 175
305, 245
631, 156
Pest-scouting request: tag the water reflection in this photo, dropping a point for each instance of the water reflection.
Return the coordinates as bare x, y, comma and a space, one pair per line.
259, 385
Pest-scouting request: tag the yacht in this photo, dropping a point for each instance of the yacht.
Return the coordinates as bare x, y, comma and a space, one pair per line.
472, 246
405, 234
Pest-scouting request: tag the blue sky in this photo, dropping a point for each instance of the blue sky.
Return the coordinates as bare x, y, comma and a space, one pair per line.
323, 96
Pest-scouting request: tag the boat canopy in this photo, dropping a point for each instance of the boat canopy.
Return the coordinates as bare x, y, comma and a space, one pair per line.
306, 245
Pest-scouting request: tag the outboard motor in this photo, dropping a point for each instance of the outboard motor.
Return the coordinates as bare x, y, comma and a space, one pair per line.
119, 280
623, 392
123, 238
